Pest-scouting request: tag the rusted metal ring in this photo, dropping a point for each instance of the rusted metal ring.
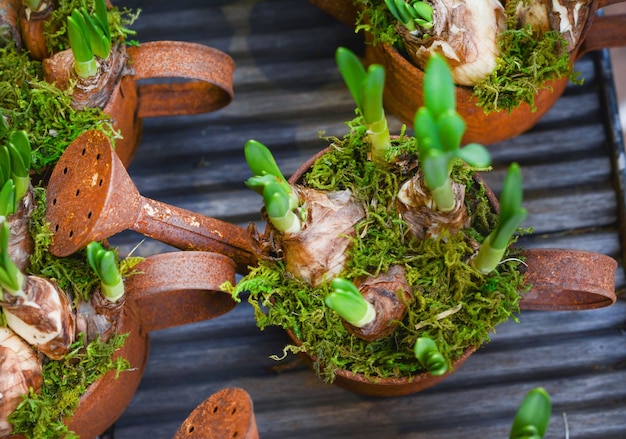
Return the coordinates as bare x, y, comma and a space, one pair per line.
568, 280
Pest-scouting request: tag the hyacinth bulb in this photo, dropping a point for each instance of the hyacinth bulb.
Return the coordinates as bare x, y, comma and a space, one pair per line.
465, 33
20, 369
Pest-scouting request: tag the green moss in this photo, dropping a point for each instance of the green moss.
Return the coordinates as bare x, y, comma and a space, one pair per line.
527, 63
40, 416
42, 110
437, 271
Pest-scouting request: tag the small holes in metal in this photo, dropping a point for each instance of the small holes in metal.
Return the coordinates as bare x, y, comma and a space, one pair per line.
190, 429
98, 156
56, 228
233, 411
89, 215
100, 182
65, 170
71, 233
215, 409
84, 151
77, 192
54, 202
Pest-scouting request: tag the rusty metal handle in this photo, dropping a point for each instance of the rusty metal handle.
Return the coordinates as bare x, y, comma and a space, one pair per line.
568, 280
206, 73
176, 288
606, 31
186, 230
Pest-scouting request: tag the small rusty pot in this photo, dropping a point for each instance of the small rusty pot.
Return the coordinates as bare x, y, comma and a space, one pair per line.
402, 75
560, 279
204, 83
226, 414
169, 289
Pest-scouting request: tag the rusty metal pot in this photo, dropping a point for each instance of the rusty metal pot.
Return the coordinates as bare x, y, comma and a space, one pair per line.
402, 75
561, 280
203, 75
169, 289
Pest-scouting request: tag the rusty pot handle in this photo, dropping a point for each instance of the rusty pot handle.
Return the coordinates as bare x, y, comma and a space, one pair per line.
180, 287
568, 280
606, 31
207, 75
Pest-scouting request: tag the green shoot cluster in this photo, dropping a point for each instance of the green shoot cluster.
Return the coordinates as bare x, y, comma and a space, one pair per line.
427, 353
281, 202
439, 129
15, 160
11, 279
413, 15
89, 35
104, 264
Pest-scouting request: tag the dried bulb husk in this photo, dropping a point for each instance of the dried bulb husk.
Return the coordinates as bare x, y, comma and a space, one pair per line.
419, 212
92, 92
9, 28
535, 13
43, 317
20, 369
570, 17
32, 27
465, 32
319, 251
20, 241
98, 318
390, 293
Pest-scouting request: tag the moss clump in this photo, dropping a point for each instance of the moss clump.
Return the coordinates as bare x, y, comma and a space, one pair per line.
437, 270
41, 416
42, 110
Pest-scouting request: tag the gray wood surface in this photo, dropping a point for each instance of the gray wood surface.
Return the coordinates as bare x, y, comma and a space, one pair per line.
287, 90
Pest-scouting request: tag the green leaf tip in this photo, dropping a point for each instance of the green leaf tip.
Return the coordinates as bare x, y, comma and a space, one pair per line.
347, 301
533, 415
429, 357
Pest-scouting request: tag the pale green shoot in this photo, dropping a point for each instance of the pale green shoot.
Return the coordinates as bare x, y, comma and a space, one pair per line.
11, 278
533, 415
429, 357
366, 88
89, 35
265, 170
7, 199
277, 207
104, 263
510, 217
20, 156
346, 300
439, 129
412, 14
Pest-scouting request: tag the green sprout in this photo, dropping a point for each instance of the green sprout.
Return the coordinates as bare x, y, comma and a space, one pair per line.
429, 357
347, 301
411, 14
510, 217
15, 158
366, 88
11, 278
89, 35
20, 156
104, 264
439, 129
533, 415
281, 202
